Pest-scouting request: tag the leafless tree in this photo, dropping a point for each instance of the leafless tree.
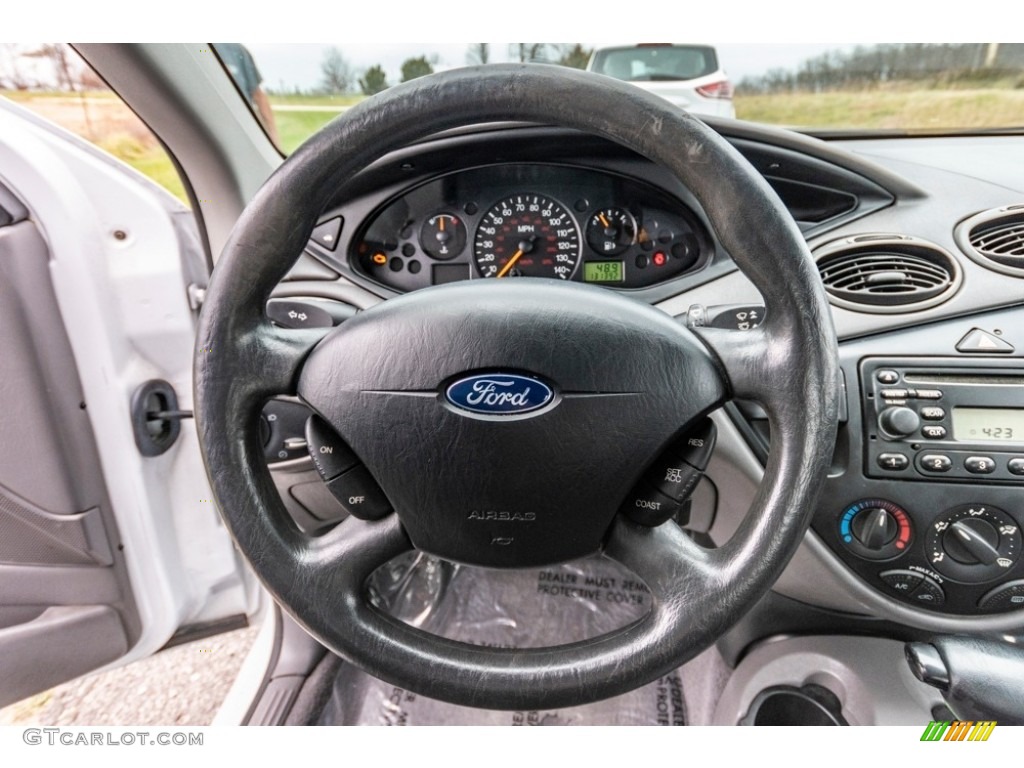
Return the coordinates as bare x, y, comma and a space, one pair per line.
478, 53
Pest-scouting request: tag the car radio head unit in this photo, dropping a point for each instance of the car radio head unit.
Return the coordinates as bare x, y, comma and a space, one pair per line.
950, 419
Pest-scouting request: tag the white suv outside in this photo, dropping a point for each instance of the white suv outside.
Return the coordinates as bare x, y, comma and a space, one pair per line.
689, 76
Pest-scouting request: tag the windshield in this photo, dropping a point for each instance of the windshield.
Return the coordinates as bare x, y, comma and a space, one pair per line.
814, 87
823, 89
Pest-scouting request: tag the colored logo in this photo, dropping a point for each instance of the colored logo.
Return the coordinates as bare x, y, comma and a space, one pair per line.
499, 394
958, 730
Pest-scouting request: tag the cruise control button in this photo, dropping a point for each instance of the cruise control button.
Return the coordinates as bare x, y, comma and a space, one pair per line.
359, 494
979, 465
887, 377
901, 582
1016, 466
696, 448
933, 413
933, 431
330, 455
646, 506
893, 461
673, 477
1005, 597
929, 593
928, 394
936, 462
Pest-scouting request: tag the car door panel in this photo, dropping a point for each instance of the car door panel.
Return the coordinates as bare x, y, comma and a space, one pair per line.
60, 583
105, 554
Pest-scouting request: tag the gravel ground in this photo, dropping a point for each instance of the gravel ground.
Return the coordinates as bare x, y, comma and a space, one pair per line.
180, 686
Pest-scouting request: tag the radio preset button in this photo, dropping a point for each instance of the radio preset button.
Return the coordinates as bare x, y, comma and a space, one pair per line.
894, 394
893, 462
887, 377
979, 465
928, 394
1016, 466
933, 413
933, 431
936, 462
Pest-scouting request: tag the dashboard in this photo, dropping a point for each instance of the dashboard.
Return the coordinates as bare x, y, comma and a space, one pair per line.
920, 519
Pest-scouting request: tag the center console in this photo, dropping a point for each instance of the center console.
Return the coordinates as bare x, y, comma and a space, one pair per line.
925, 499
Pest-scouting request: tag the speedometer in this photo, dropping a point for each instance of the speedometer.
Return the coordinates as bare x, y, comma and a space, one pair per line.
527, 235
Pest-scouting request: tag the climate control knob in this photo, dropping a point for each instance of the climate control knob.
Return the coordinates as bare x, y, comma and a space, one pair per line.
899, 421
875, 529
973, 543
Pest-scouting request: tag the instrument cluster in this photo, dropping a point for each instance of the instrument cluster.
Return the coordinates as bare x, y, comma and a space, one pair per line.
530, 220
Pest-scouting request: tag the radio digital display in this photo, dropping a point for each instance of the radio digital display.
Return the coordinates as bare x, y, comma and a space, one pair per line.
988, 425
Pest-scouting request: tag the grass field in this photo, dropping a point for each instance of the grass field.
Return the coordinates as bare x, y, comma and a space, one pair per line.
293, 128
101, 118
884, 110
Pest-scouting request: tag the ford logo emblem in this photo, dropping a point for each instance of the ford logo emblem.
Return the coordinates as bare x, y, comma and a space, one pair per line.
499, 394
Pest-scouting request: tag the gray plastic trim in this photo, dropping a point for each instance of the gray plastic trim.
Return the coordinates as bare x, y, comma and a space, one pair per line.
34, 537
870, 677
58, 585
34, 655
47, 454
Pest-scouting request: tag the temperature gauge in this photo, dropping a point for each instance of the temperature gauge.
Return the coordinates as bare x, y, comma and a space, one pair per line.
610, 231
443, 236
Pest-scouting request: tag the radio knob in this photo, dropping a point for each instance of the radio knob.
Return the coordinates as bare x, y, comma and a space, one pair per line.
898, 422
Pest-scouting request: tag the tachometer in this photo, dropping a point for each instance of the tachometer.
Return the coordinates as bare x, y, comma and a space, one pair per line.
527, 235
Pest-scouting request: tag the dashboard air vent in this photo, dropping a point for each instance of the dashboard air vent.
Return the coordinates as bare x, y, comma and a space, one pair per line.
887, 273
995, 239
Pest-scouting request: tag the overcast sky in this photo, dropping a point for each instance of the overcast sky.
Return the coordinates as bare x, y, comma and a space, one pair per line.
285, 66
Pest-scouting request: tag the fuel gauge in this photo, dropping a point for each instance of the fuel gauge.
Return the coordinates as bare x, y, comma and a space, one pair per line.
443, 236
610, 231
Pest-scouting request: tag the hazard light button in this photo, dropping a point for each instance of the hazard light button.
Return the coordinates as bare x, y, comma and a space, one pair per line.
981, 342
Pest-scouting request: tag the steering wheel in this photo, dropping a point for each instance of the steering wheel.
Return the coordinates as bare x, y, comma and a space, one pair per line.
624, 381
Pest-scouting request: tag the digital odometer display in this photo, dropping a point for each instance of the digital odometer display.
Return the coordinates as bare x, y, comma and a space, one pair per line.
604, 272
988, 425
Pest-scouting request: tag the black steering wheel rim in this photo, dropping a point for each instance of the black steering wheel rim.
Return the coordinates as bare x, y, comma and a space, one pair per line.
788, 364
